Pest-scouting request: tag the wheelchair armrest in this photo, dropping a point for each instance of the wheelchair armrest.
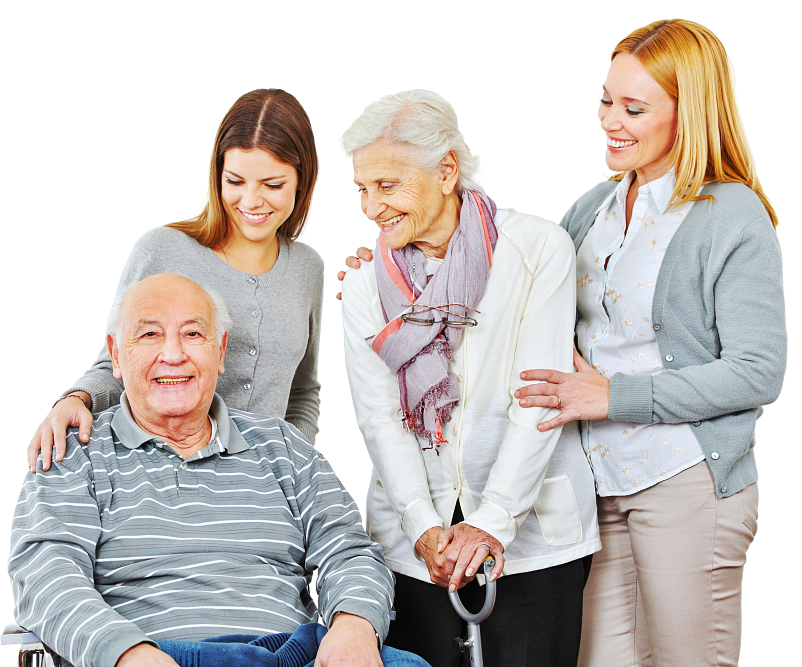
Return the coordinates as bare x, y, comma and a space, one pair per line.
14, 634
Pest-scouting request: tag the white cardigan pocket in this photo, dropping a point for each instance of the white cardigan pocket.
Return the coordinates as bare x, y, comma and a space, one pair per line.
558, 512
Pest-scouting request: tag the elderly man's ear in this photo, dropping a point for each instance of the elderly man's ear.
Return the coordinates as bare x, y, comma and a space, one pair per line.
223, 344
114, 353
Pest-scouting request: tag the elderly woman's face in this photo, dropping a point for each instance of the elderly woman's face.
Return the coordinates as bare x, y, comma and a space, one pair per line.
409, 204
639, 119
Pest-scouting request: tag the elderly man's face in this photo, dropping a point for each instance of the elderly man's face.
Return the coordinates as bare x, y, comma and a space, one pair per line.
409, 204
168, 355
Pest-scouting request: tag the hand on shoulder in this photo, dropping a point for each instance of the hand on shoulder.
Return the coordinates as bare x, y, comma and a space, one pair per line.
353, 263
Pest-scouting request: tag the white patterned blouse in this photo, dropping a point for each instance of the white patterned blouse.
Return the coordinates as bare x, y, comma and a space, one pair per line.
616, 273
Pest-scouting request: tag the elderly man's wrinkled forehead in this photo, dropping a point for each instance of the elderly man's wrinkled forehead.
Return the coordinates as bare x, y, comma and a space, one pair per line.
156, 297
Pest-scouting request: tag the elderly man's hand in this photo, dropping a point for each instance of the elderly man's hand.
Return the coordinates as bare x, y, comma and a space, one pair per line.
350, 642
353, 263
70, 411
143, 655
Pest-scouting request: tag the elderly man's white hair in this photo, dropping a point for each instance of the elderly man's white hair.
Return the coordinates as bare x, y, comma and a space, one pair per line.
421, 119
222, 320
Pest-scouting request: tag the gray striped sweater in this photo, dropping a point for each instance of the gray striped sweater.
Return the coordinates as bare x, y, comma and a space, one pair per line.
124, 541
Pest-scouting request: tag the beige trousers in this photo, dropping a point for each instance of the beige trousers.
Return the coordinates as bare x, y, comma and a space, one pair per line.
665, 590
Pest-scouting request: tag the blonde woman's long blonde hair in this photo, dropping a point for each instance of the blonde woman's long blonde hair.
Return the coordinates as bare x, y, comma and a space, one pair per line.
689, 62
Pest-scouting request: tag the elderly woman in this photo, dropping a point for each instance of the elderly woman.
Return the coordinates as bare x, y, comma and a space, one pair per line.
681, 329
462, 299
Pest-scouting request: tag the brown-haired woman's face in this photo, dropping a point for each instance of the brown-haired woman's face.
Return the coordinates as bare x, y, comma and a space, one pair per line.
258, 193
639, 119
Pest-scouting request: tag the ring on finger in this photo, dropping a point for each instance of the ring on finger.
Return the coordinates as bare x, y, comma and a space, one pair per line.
559, 401
485, 544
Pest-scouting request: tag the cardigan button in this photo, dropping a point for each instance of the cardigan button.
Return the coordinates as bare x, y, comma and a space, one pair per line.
656, 327
723, 489
699, 424
252, 280
714, 456
669, 357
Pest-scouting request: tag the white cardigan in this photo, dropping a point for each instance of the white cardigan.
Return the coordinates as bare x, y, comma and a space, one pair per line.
496, 462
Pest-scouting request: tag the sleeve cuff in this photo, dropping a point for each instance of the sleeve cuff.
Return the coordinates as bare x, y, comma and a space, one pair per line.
419, 516
378, 619
107, 653
630, 398
101, 398
495, 520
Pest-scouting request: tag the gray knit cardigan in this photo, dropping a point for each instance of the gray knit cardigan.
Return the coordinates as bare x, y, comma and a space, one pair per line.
719, 318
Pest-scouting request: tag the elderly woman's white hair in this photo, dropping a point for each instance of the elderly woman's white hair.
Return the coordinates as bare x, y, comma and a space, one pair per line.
221, 323
421, 119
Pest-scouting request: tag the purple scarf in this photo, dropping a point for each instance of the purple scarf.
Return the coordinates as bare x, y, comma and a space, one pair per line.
419, 355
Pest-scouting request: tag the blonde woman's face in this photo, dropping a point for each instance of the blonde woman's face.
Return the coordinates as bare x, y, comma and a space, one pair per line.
639, 119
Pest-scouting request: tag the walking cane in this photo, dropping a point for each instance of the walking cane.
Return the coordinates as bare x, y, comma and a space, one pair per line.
473, 642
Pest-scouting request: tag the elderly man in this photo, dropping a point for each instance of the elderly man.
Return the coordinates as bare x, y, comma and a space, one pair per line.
183, 520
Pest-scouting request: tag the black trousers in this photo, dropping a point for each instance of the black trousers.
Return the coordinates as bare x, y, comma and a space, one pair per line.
536, 622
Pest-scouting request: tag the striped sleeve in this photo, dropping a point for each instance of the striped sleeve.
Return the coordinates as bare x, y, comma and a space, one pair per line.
54, 536
352, 576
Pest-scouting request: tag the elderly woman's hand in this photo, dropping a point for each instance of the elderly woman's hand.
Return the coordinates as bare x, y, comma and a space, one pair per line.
454, 556
581, 395
353, 262
467, 547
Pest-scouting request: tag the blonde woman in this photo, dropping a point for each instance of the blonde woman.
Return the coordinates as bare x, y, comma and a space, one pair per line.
262, 174
681, 331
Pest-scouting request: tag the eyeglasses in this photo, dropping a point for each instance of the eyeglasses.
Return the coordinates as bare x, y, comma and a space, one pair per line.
465, 322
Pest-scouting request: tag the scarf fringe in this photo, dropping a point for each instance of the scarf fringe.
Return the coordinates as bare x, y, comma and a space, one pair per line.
414, 420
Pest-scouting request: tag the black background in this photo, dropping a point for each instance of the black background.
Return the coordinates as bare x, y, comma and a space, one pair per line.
114, 139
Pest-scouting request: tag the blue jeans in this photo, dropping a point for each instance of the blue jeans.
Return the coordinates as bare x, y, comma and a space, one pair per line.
280, 650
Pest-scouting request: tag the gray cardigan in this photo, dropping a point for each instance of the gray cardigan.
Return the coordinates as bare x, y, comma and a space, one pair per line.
719, 318
271, 359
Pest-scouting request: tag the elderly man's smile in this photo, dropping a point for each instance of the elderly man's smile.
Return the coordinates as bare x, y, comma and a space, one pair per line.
170, 381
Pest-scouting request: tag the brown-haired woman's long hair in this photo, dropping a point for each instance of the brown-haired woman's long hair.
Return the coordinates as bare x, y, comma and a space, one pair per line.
689, 62
273, 121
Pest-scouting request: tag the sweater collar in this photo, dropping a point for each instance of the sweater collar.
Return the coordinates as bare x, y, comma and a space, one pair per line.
227, 438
